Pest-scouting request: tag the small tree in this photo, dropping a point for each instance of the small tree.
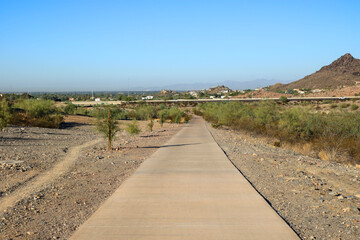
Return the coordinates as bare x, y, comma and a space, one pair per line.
151, 125
163, 115
108, 126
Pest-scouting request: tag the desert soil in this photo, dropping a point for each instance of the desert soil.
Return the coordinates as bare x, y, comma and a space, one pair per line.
319, 199
52, 180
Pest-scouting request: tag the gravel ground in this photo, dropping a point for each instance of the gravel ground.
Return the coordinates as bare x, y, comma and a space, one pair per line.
57, 211
319, 199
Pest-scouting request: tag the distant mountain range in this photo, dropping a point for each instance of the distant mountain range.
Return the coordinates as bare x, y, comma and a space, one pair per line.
343, 71
234, 85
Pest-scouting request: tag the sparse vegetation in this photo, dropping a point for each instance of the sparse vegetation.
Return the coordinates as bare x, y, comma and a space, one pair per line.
133, 128
108, 126
336, 133
4, 114
283, 99
36, 113
344, 105
354, 107
150, 125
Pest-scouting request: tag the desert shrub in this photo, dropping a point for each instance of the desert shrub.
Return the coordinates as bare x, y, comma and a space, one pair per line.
175, 114
333, 105
163, 115
150, 125
145, 112
339, 133
333, 133
283, 99
36, 113
216, 125
133, 128
108, 126
196, 111
266, 117
5, 114
344, 105
37, 108
70, 108
354, 107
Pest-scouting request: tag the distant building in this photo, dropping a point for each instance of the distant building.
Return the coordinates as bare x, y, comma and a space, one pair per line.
299, 91
316, 90
147, 98
71, 99
97, 99
193, 93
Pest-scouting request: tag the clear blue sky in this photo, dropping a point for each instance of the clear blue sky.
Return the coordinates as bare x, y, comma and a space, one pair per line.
101, 45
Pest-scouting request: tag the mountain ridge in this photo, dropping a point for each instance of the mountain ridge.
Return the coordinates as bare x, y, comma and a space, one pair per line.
343, 71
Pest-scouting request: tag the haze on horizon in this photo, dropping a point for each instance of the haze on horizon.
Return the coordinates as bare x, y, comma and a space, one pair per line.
116, 45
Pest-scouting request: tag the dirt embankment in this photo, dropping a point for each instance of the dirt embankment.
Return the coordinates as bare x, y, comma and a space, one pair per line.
53, 180
319, 199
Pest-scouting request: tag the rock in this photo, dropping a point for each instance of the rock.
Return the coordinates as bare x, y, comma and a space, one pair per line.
341, 197
254, 154
346, 209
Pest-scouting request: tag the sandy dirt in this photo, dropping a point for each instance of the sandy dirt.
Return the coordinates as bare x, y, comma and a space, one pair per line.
52, 180
319, 199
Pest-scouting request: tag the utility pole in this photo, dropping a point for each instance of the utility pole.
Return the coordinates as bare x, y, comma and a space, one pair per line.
128, 86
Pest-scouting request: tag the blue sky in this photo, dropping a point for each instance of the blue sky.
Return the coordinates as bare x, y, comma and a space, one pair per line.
63, 45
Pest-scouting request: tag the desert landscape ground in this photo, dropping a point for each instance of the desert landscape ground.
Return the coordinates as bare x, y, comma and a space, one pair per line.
179, 120
54, 207
319, 199
52, 180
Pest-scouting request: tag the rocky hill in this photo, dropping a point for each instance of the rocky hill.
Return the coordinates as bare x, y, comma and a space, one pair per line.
219, 90
343, 71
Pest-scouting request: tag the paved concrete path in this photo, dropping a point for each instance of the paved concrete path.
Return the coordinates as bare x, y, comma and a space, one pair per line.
187, 190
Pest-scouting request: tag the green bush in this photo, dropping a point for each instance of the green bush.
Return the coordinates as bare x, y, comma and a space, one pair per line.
150, 125
70, 108
5, 114
133, 128
354, 107
175, 114
36, 113
37, 108
334, 105
107, 125
344, 105
163, 115
283, 99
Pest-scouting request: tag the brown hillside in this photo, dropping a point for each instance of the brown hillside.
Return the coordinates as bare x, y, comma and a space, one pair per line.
343, 71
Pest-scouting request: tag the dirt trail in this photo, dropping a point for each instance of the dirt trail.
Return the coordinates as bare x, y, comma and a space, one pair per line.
44, 179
